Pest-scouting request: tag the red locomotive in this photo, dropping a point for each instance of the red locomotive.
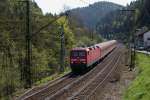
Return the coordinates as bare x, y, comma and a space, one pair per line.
83, 57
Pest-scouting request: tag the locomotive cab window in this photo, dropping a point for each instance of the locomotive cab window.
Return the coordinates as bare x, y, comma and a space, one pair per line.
81, 53
78, 54
74, 54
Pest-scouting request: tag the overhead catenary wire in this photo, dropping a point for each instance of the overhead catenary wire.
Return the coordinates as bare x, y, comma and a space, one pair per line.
50, 23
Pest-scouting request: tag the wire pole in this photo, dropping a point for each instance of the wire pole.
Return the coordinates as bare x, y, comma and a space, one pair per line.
132, 44
62, 50
92, 37
132, 65
27, 68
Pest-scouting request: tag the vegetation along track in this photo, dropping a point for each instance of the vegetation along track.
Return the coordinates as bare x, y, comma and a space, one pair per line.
68, 86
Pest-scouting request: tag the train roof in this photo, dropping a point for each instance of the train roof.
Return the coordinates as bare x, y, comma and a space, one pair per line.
99, 45
86, 48
105, 43
80, 48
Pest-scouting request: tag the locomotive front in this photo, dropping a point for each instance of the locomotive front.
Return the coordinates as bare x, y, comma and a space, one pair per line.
78, 59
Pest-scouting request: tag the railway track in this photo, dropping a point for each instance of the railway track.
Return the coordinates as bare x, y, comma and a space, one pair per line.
72, 87
35, 90
87, 92
41, 92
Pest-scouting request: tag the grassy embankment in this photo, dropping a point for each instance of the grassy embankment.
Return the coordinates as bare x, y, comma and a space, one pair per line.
140, 87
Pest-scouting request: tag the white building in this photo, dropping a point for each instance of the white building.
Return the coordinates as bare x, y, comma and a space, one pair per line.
143, 39
146, 38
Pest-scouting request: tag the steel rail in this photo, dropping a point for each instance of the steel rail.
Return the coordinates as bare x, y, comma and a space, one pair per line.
107, 76
43, 88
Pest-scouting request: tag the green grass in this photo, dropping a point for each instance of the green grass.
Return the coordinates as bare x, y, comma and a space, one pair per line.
140, 87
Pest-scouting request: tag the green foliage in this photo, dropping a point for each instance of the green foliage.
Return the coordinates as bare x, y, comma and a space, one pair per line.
140, 87
69, 36
9, 71
86, 41
45, 45
39, 63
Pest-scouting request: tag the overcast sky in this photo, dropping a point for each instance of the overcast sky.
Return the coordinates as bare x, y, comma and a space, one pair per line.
57, 6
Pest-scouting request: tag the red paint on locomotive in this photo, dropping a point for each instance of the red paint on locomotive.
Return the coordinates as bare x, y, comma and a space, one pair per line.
81, 58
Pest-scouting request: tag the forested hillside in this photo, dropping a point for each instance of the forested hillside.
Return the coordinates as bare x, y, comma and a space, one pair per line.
90, 15
123, 24
45, 44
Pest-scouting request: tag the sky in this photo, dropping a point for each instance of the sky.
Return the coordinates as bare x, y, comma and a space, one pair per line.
57, 6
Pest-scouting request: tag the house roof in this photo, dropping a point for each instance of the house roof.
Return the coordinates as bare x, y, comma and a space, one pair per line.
141, 33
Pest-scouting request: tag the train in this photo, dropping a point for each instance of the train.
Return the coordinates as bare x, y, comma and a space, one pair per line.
82, 58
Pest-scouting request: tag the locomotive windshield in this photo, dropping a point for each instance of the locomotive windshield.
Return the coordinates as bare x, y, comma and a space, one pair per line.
81, 53
78, 54
75, 54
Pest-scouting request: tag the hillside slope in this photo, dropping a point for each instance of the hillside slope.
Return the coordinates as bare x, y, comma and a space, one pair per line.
93, 13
